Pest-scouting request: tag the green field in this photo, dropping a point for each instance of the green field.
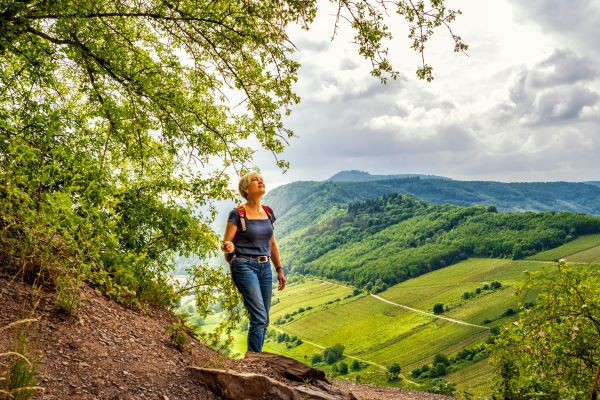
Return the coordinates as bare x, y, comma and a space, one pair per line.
591, 255
566, 250
382, 333
311, 293
474, 379
448, 284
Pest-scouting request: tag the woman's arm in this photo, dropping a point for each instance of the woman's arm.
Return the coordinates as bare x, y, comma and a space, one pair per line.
227, 246
277, 263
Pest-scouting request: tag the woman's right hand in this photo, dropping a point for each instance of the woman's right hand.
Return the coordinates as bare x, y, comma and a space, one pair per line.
227, 246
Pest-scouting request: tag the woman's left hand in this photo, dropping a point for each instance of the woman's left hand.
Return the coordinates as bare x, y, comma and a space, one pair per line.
281, 279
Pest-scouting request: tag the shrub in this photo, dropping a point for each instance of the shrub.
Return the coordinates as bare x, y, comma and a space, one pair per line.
441, 359
438, 370
509, 312
333, 354
343, 368
393, 372
440, 386
66, 300
540, 355
282, 337
438, 308
178, 334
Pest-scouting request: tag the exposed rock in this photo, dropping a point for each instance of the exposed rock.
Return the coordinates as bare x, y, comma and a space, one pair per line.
249, 386
288, 368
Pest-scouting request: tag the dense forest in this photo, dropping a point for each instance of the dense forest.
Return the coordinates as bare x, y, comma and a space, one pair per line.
377, 243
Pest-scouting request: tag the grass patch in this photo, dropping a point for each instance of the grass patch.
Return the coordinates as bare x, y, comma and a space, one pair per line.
312, 293
591, 255
474, 380
578, 245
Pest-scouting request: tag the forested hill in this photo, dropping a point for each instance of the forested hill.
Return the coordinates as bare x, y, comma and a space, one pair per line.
376, 243
301, 204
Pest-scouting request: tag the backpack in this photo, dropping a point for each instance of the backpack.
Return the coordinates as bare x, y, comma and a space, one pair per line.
242, 225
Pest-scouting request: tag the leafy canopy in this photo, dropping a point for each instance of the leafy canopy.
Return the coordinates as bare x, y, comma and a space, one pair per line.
119, 118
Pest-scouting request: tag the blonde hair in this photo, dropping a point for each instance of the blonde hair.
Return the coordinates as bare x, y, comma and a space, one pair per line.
245, 182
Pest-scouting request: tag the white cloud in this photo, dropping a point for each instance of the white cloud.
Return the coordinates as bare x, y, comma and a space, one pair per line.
525, 104
574, 24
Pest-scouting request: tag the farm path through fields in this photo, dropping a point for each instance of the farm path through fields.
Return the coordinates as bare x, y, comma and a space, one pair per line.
456, 321
323, 348
404, 377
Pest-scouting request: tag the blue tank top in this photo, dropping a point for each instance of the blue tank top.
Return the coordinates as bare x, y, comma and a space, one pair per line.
255, 241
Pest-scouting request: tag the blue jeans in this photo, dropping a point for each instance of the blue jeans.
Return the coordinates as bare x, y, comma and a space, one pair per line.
253, 280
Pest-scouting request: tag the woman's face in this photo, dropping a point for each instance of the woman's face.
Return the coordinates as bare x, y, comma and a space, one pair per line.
256, 186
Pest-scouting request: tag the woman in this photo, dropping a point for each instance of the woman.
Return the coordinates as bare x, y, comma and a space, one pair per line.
253, 250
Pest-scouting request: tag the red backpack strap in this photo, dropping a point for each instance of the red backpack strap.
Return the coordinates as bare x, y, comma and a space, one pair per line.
241, 225
242, 214
269, 213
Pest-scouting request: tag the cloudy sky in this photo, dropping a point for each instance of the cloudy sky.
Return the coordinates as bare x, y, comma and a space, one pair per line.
524, 105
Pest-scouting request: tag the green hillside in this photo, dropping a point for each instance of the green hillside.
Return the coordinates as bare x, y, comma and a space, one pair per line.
583, 247
390, 333
377, 243
398, 326
299, 204
313, 293
474, 379
382, 333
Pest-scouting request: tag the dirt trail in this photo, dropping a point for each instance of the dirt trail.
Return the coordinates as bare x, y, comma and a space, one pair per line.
110, 352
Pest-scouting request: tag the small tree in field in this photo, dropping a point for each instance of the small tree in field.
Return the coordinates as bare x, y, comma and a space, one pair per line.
552, 351
343, 368
438, 308
393, 371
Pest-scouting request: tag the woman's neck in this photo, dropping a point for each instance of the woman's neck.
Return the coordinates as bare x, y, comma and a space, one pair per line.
253, 203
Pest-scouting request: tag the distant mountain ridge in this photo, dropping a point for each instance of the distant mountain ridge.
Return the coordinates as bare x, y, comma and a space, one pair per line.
302, 203
363, 176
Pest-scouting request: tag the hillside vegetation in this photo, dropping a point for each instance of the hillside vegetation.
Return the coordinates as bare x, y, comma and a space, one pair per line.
299, 204
381, 333
374, 244
582, 244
